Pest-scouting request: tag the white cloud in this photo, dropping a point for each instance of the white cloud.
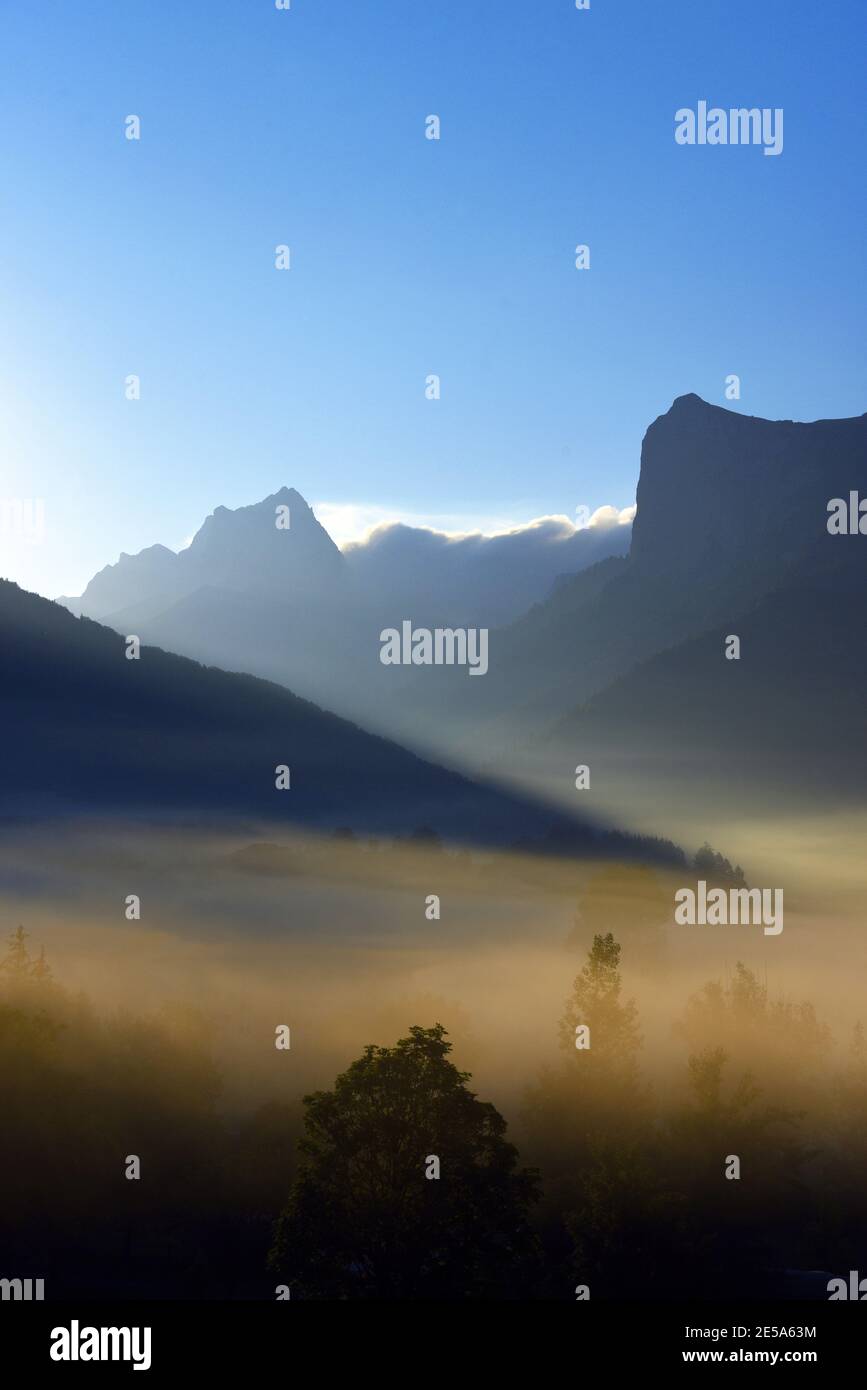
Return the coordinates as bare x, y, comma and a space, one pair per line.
352, 522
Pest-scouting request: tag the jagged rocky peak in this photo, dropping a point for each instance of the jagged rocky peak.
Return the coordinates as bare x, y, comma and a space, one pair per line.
276, 544
277, 541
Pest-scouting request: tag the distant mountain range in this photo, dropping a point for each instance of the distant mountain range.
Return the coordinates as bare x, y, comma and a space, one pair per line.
285, 603
596, 655
462, 579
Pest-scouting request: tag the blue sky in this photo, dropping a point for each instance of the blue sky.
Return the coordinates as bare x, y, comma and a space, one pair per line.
409, 256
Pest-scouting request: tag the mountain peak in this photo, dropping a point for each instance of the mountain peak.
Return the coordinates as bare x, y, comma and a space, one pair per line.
251, 547
695, 406
715, 482
285, 496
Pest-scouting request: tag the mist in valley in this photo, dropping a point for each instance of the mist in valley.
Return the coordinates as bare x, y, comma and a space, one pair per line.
156, 1037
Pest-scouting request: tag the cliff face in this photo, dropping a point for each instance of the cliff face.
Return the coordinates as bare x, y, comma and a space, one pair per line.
722, 495
731, 511
733, 515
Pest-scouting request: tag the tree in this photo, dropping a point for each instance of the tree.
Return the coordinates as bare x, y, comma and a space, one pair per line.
596, 1096
781, 1040
363, 1219
18, 969
588, 1122
717, 870
595, 1001
16, 965
40, 970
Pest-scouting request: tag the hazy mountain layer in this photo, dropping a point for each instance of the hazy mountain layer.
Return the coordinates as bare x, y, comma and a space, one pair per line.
731, 537
89, 730
731, 510
281, 601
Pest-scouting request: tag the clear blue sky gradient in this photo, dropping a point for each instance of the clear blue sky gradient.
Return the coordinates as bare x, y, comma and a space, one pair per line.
408, 256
